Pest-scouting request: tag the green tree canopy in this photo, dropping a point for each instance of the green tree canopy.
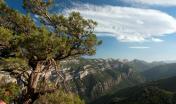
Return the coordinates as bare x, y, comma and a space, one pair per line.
29, 50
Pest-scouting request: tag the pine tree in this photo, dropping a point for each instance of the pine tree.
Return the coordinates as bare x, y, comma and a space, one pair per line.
29, 50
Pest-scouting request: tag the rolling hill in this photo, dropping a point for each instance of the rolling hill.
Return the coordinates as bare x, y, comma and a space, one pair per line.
156, 92
160, 72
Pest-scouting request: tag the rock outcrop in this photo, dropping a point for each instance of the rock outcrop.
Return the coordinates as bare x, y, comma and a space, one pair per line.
92, 78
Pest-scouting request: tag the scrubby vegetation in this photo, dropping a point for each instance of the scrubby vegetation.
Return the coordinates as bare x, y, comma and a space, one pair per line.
59, 97
9, 92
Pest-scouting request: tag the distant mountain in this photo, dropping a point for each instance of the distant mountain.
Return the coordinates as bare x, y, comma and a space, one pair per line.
170, 61
92, 78
160, 72
157, 92
102, 80
141, 66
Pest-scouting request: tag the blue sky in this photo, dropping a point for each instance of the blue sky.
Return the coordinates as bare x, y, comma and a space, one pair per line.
130, 29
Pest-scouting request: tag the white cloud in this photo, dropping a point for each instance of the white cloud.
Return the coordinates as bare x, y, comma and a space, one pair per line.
154, 2
157, 40
129, 24
139, 47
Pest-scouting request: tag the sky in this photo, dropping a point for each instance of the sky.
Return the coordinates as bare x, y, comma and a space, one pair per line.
129, 29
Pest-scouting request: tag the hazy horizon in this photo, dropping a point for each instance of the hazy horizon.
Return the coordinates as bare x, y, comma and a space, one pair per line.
166, 61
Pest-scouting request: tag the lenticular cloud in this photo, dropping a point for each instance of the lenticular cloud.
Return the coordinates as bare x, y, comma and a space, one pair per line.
154, 2
128, 24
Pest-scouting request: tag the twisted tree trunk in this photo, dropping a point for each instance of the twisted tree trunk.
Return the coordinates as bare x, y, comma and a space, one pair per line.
31, 94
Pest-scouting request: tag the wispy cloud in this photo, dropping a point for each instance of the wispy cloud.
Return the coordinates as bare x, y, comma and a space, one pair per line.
157, 40
129, 24
139, 47
154, 2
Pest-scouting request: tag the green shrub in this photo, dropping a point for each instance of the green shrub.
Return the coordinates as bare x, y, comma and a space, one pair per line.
9, 92
59, 97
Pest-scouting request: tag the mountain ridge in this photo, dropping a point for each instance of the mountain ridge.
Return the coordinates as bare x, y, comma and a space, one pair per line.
130, 95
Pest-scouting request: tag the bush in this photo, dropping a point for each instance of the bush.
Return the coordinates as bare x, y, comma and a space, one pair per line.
59, 97
9, 92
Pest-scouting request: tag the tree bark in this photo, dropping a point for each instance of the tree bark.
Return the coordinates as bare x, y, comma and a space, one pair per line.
31, 94
35, 75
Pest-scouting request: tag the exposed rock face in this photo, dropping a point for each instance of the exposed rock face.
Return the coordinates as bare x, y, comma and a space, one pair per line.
92, 78
6, 78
